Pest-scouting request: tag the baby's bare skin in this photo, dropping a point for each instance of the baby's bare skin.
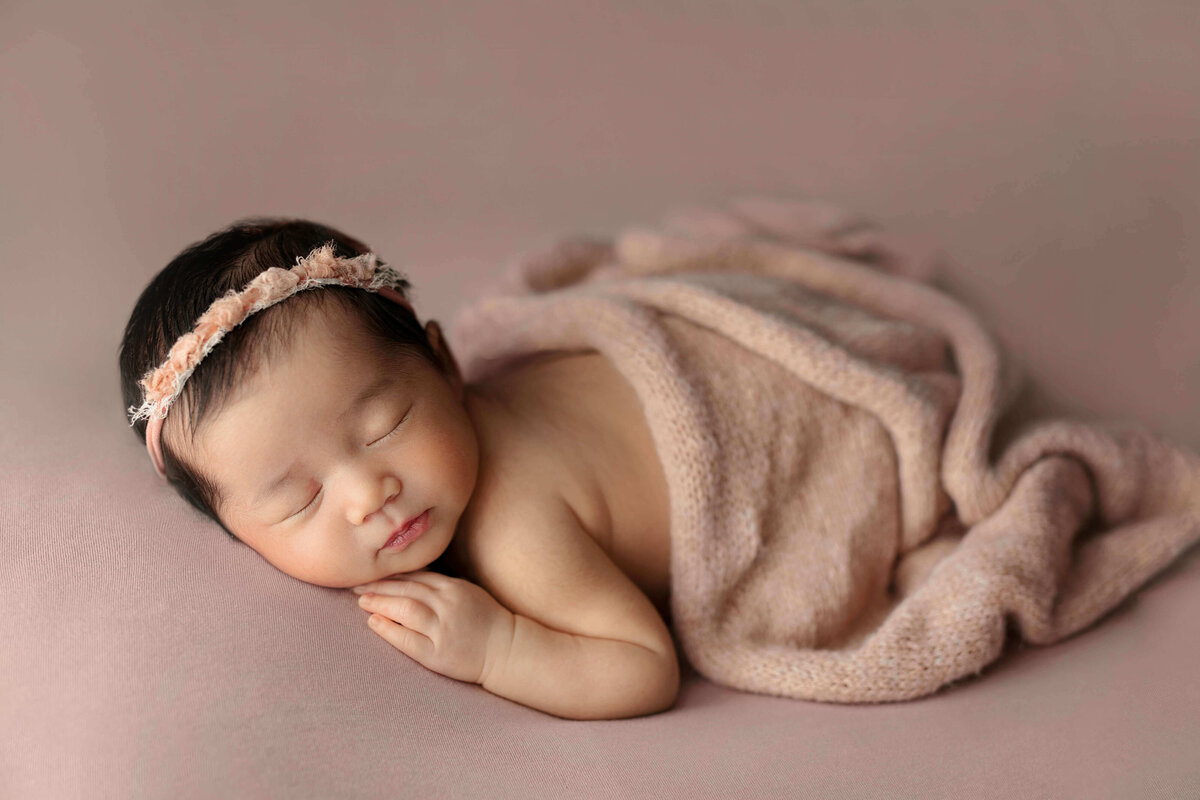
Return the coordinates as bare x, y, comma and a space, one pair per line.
542, 483
569, 526
581, 435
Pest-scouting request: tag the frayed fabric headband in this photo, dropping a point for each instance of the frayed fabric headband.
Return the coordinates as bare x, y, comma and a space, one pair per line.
162, 385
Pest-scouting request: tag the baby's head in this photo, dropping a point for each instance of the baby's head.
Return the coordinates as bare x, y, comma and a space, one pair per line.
317, 427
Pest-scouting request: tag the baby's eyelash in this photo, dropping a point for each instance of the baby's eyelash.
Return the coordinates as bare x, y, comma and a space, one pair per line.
310, 502
390, 433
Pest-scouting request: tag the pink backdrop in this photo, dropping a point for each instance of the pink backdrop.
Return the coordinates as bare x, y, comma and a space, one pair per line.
1052, 150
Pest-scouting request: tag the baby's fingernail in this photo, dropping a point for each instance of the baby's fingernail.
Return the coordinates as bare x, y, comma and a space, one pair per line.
358, 590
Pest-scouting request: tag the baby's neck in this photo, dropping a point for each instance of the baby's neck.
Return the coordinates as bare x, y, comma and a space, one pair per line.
497, 429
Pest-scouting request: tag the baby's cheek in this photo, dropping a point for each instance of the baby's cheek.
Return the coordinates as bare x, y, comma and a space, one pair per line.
435, 460
463, 453
312, 560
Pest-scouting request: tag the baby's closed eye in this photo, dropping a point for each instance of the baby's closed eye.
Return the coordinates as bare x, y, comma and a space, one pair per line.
394, 430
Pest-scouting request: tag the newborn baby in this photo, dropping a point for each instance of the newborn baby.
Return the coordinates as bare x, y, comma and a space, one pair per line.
335, 436
766, 407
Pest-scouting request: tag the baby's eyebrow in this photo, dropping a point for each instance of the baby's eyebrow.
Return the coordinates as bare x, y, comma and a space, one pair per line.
372, 390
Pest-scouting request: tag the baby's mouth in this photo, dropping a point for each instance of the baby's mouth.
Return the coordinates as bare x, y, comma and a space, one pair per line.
407, 532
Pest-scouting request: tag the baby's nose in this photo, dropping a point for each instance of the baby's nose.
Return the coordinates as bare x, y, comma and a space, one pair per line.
382, 509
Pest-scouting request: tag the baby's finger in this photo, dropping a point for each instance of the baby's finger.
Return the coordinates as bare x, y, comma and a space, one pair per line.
413, 644
394, 588
434, 580
408, 611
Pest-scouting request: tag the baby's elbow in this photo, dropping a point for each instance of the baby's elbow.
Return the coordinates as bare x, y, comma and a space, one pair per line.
647, 686
660, 686
668, 686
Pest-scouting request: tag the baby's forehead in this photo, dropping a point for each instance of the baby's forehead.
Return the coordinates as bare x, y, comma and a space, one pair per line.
347, 336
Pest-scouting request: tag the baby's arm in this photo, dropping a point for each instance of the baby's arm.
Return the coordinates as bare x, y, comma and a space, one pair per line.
581, 640
586, 642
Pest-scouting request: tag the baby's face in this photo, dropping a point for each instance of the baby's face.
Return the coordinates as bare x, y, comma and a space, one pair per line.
352, 471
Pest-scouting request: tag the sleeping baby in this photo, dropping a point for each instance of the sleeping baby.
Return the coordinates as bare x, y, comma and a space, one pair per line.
763, 428
335, 435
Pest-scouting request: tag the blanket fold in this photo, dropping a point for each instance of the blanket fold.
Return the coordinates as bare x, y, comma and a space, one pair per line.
845, 524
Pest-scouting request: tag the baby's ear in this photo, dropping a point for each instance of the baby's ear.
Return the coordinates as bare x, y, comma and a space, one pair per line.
446, 360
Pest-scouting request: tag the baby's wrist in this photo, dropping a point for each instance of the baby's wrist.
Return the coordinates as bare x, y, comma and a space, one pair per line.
499, 646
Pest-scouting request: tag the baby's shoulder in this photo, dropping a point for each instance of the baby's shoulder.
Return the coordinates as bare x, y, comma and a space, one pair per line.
514, 512
526, 546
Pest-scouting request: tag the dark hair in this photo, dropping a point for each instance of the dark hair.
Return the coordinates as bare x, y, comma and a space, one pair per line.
204, 271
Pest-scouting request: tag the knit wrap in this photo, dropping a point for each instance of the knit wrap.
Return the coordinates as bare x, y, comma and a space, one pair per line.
846, 525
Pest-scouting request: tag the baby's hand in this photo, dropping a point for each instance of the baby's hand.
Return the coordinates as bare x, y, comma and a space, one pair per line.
446, 624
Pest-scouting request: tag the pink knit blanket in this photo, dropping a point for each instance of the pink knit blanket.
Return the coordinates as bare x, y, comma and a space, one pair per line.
847, 522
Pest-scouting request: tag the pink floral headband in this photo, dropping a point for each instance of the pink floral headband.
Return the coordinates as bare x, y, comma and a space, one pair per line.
162, 385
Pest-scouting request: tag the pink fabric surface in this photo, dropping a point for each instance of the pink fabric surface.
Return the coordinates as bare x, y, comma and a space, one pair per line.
1050, 150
